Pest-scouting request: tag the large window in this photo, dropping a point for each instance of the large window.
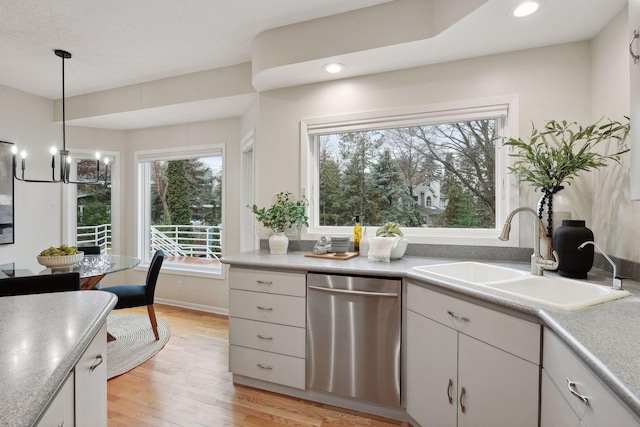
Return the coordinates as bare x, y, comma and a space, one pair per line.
436, 173
181, 207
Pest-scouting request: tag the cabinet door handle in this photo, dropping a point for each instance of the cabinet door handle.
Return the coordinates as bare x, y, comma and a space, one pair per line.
98, 363
631, 52
262, 337
449, 387
264, 308
457, 316
572, 389
462, 393
264, 282
267, 367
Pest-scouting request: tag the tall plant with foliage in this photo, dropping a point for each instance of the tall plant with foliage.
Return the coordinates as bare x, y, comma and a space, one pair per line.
554, 155
283, 214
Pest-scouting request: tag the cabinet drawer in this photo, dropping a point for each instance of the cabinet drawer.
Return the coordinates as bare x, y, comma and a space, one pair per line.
61, 409
91, 383
288, 340
282, 309
602, 408
265, 366
273, 282
511, 334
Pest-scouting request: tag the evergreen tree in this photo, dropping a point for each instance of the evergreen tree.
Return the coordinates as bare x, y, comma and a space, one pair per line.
359, 150
390, 194
178, 195
329, 169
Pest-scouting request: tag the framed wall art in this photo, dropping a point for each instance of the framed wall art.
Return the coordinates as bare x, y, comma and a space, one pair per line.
6, 194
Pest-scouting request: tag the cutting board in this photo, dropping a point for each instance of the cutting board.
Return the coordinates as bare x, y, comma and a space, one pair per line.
346, 255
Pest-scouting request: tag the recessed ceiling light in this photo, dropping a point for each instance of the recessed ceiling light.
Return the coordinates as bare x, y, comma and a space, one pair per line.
333, 68
525, 8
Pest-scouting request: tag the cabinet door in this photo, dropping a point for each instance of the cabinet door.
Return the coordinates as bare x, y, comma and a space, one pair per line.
431, 371
634, 25
500, 390
60, 410
91, 383
555, 411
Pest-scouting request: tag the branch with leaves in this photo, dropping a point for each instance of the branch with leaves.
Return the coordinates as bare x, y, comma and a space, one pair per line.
556, 154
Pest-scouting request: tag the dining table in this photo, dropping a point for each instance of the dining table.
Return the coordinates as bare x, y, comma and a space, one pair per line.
92, 268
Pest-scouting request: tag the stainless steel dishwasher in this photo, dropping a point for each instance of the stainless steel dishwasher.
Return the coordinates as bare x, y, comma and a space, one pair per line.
353, 337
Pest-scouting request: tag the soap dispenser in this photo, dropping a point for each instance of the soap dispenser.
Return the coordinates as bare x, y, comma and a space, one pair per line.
364, 243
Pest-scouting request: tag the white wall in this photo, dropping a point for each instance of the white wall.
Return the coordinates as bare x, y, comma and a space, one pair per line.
615, 217
27, 121
550, 83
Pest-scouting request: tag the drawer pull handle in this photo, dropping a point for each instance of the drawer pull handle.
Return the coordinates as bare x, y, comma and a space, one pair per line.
462, 393
457, 316
262, 337
631, 52
98, 363
267, 367
265, 308
572, 388
449, 387
264, 282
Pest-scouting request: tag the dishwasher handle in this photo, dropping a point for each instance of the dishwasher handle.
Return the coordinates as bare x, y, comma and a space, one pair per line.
360, 293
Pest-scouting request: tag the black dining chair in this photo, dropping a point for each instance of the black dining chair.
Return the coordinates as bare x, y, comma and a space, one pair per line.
41, 284
140, 295
90, 250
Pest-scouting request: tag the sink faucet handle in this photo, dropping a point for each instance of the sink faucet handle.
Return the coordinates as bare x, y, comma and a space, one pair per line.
550, 264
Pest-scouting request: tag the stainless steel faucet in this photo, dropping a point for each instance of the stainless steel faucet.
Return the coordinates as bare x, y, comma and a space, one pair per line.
617, 282
538, 263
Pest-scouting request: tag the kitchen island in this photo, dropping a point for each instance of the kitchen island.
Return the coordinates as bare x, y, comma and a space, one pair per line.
43, 337
604, 337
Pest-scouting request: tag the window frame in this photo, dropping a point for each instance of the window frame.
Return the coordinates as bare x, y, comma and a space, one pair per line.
69, 195
143, 212
507, 189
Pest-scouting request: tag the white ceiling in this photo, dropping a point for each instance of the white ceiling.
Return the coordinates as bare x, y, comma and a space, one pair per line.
122, 42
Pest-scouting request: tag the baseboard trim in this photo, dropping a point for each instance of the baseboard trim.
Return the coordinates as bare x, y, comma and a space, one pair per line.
193, 306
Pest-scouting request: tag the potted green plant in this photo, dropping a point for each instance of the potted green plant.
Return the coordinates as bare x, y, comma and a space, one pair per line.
281, 216
392, 230
554, 155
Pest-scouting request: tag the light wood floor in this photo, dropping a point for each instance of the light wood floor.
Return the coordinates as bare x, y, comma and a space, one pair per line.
187, 384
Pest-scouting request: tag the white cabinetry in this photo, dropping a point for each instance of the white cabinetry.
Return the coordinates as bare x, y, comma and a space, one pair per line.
82, 400
61, 410
573, 389
634, 26
267, 320
91, 383
469, 365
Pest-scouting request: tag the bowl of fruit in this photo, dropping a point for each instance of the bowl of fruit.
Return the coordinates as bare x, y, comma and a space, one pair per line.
64, 256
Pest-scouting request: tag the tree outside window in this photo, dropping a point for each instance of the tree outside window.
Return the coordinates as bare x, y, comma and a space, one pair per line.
385, 175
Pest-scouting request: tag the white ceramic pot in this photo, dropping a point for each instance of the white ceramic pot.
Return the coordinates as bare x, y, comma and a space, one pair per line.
398, 251
278, 243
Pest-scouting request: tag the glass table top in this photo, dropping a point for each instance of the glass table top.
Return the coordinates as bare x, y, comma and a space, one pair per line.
91, 265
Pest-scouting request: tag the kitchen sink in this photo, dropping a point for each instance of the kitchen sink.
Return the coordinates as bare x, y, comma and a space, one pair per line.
550, 291
469, 272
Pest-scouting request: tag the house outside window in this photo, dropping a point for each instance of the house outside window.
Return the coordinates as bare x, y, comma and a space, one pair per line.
439, 173
181, 207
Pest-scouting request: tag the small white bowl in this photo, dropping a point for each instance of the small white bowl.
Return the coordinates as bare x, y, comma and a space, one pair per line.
60, 261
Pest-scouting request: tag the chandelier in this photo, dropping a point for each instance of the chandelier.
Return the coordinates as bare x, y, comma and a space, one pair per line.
64, 164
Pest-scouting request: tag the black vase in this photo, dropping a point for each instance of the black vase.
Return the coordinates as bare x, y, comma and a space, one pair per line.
574, 263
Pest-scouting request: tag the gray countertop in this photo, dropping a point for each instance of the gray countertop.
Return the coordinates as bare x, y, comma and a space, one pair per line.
42, 338
606, 337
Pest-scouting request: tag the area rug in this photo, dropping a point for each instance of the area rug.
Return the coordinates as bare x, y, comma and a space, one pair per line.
134, 342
